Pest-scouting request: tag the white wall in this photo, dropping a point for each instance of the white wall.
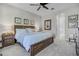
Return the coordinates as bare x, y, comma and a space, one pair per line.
53, 21
72, 11
8, 13
67, 12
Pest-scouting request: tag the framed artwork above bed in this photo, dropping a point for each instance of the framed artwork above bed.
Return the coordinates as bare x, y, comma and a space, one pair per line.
47, 24
18, 20
26, 21
31, 22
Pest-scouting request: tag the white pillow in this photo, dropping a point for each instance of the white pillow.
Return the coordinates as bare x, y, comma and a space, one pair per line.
29, 30
20, 32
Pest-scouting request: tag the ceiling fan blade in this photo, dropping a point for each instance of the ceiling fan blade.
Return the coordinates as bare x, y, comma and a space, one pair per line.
38, 8
45, 7
43, 3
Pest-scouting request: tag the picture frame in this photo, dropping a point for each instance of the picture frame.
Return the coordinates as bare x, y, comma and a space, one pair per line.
26, 21
31, 22
47, 24
18, 20
73, 21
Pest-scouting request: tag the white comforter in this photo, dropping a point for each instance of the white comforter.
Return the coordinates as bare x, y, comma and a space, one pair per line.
28, 40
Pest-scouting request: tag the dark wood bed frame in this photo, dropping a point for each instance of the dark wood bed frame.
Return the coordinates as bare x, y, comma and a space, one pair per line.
37, 47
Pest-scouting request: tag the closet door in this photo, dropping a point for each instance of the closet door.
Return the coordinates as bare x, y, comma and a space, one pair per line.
61, 26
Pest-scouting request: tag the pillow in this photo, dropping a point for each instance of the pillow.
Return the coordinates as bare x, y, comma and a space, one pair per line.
29, 30
20, 32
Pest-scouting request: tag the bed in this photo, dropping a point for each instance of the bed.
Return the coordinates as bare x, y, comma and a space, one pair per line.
33, 42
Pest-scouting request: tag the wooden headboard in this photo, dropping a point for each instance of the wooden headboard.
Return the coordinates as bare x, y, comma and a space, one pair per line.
22, 27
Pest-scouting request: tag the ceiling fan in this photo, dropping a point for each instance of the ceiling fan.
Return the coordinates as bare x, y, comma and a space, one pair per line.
40, 5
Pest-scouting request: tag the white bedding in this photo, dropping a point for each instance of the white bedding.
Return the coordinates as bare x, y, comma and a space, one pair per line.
28, 39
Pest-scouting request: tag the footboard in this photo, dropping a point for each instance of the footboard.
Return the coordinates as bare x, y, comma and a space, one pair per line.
35, 48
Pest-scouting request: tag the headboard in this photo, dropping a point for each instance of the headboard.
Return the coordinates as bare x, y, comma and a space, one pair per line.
22, 27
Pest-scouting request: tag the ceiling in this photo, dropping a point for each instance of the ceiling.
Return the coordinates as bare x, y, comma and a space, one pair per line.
57, 7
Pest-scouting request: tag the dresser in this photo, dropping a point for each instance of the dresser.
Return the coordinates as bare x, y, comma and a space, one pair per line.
7, 39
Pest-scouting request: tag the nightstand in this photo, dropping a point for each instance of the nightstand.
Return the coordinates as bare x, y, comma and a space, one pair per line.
7, 39
0, 48
0, 44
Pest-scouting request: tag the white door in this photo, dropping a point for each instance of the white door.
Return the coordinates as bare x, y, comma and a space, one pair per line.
61, 26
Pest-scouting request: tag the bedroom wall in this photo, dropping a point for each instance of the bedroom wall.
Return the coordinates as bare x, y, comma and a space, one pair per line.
67, 12
7, 14
53, 22
71, 11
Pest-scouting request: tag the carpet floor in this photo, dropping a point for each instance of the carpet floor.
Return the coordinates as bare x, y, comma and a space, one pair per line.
58, 48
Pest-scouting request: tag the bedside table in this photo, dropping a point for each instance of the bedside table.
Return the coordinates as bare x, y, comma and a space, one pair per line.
7, 39
0, 48
0, 44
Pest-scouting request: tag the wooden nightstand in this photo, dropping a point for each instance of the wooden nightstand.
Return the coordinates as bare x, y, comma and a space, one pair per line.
0, 48
0, 44
8, 39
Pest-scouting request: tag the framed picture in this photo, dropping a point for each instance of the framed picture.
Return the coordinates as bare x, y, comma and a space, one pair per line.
47, 24
18, 20
73, 21
26, 21
31, 22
